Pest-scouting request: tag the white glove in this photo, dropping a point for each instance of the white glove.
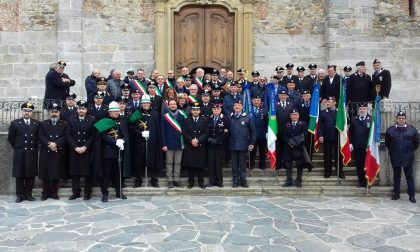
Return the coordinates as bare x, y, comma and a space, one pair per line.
145, 134
120, 144
351, 147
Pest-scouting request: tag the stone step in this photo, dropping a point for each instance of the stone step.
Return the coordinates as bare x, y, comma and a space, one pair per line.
337, 190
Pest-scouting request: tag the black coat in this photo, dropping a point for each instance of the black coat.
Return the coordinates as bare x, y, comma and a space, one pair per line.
98, 114
195, 156
157, 104
304, 111
402, 142
51, 163
80, 133
24, 141
331, 89
154, 153
283, 116
286, 79
326, 125
382, 78
66, 113
359, 131
294, 141
218, 132
206, 111
359, 88
260, 118
304, 84
55, 88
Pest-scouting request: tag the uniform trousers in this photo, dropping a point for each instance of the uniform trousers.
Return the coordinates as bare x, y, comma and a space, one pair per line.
359, 156
239, 166
110, 166
330, 152
75, 184
24, 186
408, 171
261, 145
215, 160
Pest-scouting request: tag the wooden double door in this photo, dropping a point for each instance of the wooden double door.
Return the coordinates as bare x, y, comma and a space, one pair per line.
204, 37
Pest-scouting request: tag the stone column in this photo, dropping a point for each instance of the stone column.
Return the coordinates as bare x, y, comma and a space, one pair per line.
386, 173
7, 182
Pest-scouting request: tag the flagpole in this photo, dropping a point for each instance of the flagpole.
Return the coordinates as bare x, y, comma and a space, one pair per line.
337, 161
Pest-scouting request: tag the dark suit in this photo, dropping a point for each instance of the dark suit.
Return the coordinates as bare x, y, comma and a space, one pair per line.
100, 113
206, 110
382, 78
282, 116
331, 89
304, 110
261, 124
359, 134
157, 103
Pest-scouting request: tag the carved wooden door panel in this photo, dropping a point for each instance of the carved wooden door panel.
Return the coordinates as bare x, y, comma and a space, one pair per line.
204, 36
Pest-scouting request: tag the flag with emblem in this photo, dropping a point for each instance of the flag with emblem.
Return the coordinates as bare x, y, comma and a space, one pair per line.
272, 127
247, 99
314, 115
372, 164
341, 125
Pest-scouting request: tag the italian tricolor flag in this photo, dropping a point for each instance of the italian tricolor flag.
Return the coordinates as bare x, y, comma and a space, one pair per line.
314, 115
372, 165
342, 127
272, 128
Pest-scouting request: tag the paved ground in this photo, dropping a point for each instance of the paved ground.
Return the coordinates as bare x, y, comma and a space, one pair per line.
211, 224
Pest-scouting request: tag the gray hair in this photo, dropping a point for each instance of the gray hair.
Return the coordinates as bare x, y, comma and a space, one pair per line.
199, 70
53, 66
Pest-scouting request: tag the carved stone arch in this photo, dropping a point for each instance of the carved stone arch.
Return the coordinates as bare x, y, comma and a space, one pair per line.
164, 33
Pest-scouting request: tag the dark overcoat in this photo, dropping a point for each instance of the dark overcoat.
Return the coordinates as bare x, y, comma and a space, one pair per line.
195, 156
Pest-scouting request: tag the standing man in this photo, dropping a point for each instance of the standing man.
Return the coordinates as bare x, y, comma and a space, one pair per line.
98, 109
260, 117
294, 140
229, 99
243, 136
328, 135
195, 134
70, 109
289, 74
23, 137
283, 109
155, 99
218, 134
311, 77
114, 85
80, 137
381, 77
52, 137
402, 140
330, 84
90, 85
347, 72
304, 111
145, 126
359, 86
57, 84
359, 134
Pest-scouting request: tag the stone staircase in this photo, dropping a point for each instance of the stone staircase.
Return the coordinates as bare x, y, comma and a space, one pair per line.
261, 183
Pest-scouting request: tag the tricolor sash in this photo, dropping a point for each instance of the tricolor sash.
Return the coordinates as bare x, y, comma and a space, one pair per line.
199, 83
158, 93
183, 113
192, 99
168, 83
139, 86
174, 123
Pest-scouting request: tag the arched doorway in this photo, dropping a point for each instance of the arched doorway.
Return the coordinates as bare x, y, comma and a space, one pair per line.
204, 36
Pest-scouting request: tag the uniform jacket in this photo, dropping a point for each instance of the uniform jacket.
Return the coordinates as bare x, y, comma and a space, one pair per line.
218, 131
283, 116
286, 79
206, 111
242, 132
195, 156
66, 113
304, 111
383, 78
91, 88
24, 141
157, 103
294, 141
109, 148
304, 84
98, 114
359, 131
295, 97
402, 143
326, 125
261, 122
55, 88
359, 88
228, 102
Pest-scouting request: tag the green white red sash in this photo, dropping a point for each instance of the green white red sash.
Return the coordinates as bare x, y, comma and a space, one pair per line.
199, 83
174, 123
183, 113
168, 83
192, 99
139, 86
158, 93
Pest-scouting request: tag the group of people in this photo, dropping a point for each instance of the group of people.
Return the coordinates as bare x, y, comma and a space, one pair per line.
136, 126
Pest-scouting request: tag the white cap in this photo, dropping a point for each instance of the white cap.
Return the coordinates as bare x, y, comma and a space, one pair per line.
113, 106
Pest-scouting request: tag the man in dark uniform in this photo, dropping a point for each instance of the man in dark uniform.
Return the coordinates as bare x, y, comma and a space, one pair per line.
215, 82
69, 109
218, 135
330, 85
155, 99
145, 126
206, 105
125, 91
328, 135
216, 96
359, 86
304, 111
57, 84
294, 96
52, 137
134, 103
284, 107
255, 78
229, 99
102, 90
80, 137
289, 74
98, 109
312, 76
280, 74
347, 72
195, 134
260, 117
294, 141
23, 137
381, 77
402, 140
114, 139
243, 136
359, 134
302, 82
258, 88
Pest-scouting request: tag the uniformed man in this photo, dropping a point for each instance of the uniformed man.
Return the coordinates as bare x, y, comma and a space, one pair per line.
23, 137
206, 105
278, 84
243, 136
124, 112
145, 126
283, 109
312, 76
260, 117
347, 72
293, 95
359, 134
215, 82
185, 72
280, 74
155, 99
69, 109
98, 109
113, 140
302, 82
242, 76
402, 140
229, 99
80, 137
294, 141
195, 134
289, 74
328, 135
102, 90
135, 101
330, 84
381, 77
57, 84
304, 111
125, 90
218, 135
216, 96
52, 137
258, 87
255, 78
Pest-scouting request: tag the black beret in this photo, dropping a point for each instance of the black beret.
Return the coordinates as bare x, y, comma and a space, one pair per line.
294, 111
306, 92
99, 95
205, 93
217, 88
283, 92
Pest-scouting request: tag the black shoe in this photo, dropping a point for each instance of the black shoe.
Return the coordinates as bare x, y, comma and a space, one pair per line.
55, 196
327, 176
170, 184
299, 184
310, 169
74, 196
245, 185
87, 197
104, 198
202, 186
19, 199
190, 186
44, 196
412, 199
234, 185
177, 184
154, 184
288, 184
210, 185
137, 184
342, 176
122, 196
29, 198
395, 197
221, 185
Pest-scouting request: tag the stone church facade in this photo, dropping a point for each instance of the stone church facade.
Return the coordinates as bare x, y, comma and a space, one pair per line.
125, 34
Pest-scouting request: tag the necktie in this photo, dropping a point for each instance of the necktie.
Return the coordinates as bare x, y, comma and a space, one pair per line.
27, 122
294, 124
160, 88
135, 104
306, 104
215, 121
97, 108
362, 118
283, 104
